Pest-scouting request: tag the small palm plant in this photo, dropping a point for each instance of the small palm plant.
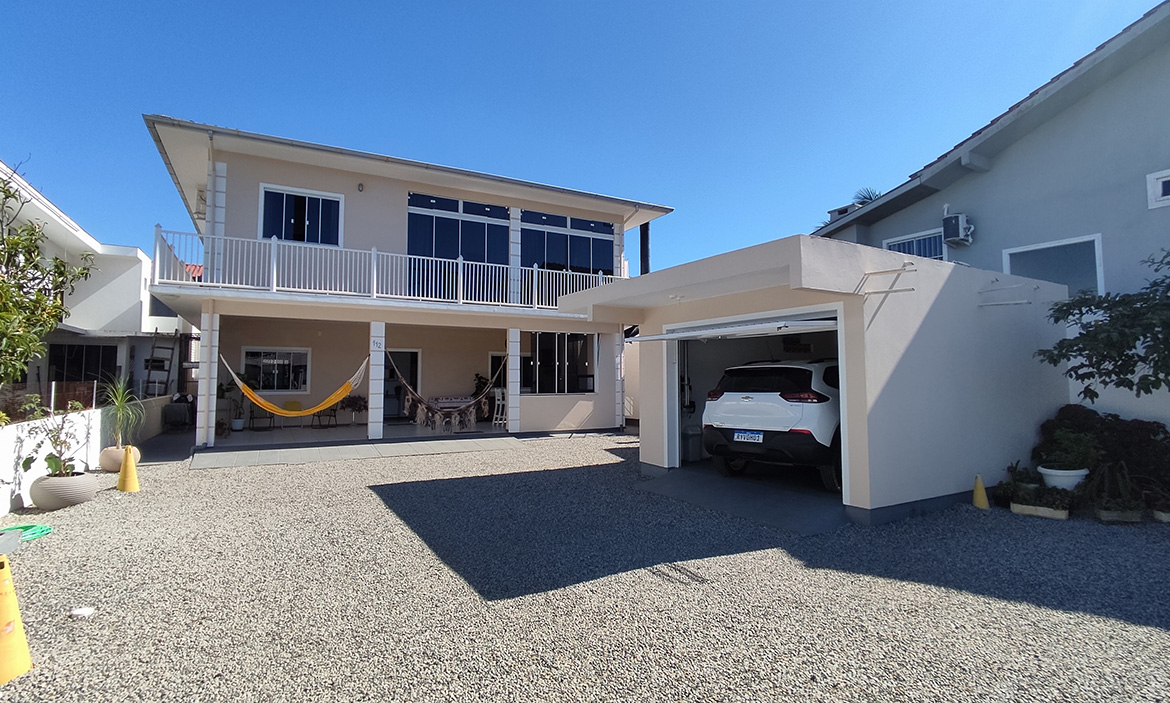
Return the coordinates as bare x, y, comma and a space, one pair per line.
126, 407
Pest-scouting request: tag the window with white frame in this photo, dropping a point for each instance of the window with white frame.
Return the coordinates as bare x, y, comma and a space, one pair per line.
446, 228
558, 362
928, 245
1075, 262
561, 243
277, 369
300, 215
1158, 189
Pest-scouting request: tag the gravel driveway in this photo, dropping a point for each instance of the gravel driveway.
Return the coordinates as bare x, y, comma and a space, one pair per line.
537, 573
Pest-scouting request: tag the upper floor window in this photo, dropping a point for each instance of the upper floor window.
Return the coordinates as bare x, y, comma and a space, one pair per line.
928, 245
560, 243
1158, 189
446, 228
300, 216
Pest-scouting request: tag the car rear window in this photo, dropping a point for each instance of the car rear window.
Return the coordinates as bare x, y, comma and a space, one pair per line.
766, 380
830, 377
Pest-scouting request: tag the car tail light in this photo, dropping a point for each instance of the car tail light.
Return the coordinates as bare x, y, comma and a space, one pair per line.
804, 397
807, 432
714, 395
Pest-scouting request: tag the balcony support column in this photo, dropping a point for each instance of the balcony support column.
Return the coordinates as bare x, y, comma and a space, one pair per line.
377, 375
208, 376
513, 398
515, 267
374, 272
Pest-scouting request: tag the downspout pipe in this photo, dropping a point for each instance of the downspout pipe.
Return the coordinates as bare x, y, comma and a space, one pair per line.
644, 248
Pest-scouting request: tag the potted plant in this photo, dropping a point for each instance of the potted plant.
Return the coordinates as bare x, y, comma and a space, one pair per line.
237, 412
1052, 503
64, 485
1113, 495
1069, 458
355, 404
128, 415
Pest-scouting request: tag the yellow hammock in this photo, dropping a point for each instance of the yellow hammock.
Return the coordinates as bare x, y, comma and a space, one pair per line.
334, 398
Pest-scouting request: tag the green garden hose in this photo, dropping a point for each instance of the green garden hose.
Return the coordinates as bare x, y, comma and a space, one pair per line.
29, 532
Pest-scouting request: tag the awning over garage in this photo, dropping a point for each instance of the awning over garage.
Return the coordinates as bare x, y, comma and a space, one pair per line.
755, 328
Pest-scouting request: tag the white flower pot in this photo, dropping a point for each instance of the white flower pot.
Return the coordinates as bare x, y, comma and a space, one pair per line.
56, 492
111, 458
237, 424
1062, 478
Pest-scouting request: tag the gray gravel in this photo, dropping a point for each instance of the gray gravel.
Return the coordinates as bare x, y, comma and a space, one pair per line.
538, 574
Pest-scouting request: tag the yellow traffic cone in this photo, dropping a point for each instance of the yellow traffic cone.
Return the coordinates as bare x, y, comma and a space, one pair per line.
128, 478
980, 497
14, 657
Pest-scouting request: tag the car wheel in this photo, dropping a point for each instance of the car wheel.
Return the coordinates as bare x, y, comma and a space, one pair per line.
730, 465
831, 473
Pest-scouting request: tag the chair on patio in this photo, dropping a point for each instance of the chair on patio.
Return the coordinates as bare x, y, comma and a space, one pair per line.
258, 415
499, 409
293, 406
324, 418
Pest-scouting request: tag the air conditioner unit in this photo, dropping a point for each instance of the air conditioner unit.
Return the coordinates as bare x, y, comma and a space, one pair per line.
957, 230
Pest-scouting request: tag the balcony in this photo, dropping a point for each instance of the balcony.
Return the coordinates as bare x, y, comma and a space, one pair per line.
206, 262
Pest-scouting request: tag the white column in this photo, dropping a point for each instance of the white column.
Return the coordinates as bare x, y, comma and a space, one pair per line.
208, 377
619, 391
216, 213
619, 249
377, 372
513, 380
514, 255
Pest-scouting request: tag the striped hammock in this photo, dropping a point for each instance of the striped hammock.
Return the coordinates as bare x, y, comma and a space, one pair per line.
333, 399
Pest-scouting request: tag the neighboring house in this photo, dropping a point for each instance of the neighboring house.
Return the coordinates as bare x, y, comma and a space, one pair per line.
1071, 185
114, 324
309, 258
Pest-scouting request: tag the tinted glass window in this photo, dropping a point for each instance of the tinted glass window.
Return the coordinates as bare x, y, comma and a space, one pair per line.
591, 226
765, 380
420, 235
472, 241
1166, 188
556, 253
446, 238
433, 202
330, 221
830, 377
313, 220
542, 218
531, 247
497, 244
294, 218
580, 253
273, 213
497, 211
603, 256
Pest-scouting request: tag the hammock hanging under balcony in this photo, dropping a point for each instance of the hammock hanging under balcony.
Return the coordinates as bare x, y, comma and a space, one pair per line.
436, 418
333, 399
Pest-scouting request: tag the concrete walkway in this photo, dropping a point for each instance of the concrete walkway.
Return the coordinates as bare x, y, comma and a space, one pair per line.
304, 455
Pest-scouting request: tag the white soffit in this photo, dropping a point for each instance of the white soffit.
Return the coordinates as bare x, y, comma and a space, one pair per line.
746, 329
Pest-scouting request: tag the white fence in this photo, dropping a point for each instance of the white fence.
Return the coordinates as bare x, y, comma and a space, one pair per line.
276, 265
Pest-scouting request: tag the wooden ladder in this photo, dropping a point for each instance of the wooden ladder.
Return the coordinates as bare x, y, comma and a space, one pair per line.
158, 368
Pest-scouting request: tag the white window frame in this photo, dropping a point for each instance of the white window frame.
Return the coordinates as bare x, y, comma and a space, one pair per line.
919, 235
562, 361
1154, 195
291, 190
308, 367
1094, 238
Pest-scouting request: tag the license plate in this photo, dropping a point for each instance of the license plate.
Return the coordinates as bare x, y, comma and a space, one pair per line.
745, 436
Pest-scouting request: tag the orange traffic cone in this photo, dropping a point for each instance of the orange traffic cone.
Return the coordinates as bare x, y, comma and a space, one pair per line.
980, 494
14, 657
128, 478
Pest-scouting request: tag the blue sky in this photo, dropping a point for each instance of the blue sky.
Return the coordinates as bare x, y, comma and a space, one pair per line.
751, 119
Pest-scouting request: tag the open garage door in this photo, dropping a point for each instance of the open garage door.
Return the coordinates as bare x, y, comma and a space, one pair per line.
772, 445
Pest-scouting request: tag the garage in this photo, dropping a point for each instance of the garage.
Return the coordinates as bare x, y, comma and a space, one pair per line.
937, 380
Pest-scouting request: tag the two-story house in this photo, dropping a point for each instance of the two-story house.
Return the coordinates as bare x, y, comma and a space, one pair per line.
1070, 185
309, 259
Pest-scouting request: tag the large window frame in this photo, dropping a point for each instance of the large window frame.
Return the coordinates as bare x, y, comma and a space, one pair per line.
467, 216
260, 387
305, 193
534, 365
557, 243
924, 237
1097, 258
1158, 189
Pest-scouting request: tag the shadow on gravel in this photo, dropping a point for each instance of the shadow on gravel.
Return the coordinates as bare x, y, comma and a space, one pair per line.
511, 535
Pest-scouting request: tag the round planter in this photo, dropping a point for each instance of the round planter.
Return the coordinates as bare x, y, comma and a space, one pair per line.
1062, 478
56, 492
1162, 515
1119, 515
237, 424
1038, 511
111, 458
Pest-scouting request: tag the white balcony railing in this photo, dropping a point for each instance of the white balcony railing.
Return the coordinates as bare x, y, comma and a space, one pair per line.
276, 265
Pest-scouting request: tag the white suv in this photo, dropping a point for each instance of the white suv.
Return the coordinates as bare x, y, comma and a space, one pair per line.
780, 412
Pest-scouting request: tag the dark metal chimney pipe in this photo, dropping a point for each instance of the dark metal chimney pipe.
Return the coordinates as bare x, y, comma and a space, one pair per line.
644, 247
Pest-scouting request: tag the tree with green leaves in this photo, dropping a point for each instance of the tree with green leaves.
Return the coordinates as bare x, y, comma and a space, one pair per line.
865, 196
1123, 340
33, 286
